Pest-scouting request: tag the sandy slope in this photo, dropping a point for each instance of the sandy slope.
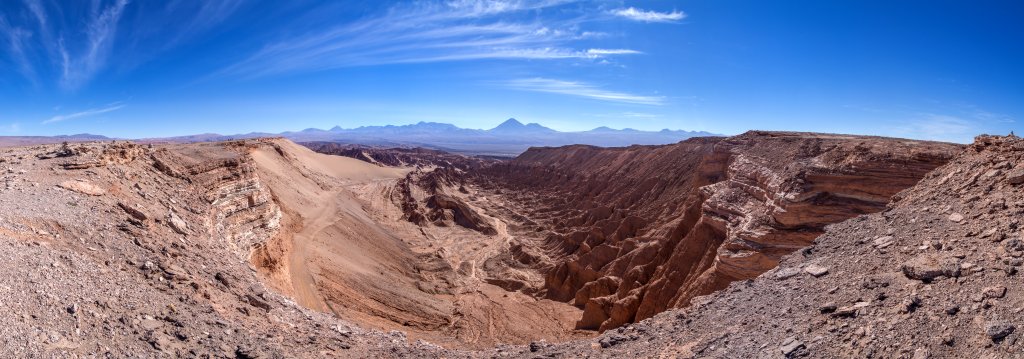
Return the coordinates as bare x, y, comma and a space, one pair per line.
318, 205
345, 249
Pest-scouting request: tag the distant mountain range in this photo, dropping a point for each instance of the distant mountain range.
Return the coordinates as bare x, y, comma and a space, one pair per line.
509, 138
38, 140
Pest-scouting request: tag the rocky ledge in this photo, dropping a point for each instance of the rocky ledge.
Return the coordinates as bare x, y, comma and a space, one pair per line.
643, 229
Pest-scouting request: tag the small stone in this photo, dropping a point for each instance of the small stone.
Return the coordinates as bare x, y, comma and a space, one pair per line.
994, 291
872, 283
956, 217
927, 267
133, 211
160, 342
174, 271
997, 330
816, 270
1013, 245
536, 346
883, 242
1015, 176
909, 304
611, 340
952, 309
84, 187
790, 346
786, 273
921, 353
851, 310
150, 324
177, 224
988, 233
948, 339
827, 308
248, 352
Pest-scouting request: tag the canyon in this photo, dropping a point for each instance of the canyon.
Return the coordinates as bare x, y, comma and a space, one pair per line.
265, 247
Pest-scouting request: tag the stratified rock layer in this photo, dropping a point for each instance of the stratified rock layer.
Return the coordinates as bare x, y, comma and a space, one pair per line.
935, 275
642, 229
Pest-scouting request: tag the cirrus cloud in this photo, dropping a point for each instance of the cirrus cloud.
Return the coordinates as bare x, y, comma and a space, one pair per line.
425, 32
87, 113
580, 89
635, 14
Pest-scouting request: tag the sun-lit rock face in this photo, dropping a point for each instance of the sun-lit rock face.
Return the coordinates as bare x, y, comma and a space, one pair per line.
642, 229
244, 213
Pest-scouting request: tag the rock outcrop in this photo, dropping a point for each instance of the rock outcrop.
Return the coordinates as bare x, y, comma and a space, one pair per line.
402, 156
429, 197
944, 283
765, 244
643, 229
225, 176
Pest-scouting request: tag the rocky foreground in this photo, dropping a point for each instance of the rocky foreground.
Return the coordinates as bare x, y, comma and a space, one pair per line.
125, 250
638, 230
936, 275
121, 250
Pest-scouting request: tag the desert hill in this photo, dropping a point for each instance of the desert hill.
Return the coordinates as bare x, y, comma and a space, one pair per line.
264, 248
934, 275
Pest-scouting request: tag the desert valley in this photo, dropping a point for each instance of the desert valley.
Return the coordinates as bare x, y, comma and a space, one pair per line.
535, 179
766, 244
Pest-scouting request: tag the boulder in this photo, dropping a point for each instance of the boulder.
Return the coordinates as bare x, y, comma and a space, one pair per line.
790, 346
927, 267
84, 187
133, 211
816, 270
997, 330
1016, 176
177, 224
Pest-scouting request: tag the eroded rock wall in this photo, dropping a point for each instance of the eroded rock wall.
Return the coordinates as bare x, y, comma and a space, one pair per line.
643, 229
244, 214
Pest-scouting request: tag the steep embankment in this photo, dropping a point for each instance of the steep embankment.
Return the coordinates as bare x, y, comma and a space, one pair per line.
934, 275
349, 246
121, 250
333, 256
642, 229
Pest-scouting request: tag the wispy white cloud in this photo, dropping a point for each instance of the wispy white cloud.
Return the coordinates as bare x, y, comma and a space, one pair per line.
478, 8
36, 8
16, 39
191, 18
635, 14
606, 52
580, 89
87, 113
78, 67
429, 32
42, 42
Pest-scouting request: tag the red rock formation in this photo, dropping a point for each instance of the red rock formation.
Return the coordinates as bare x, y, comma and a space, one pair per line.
401, 156
245, 215
424, 198
643, 229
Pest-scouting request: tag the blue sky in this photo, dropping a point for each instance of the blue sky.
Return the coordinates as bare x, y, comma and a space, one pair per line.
944, 70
